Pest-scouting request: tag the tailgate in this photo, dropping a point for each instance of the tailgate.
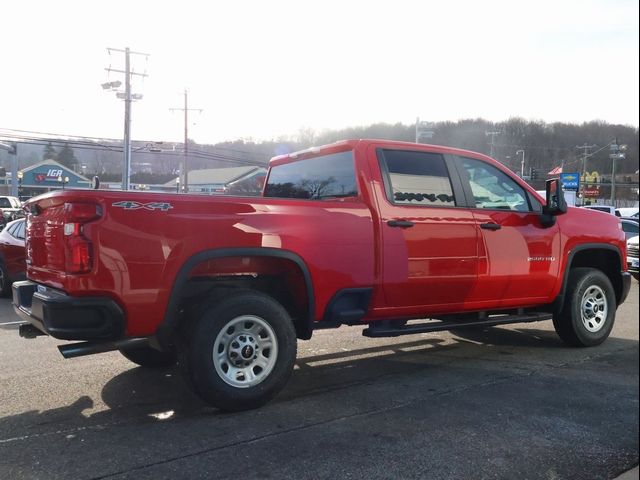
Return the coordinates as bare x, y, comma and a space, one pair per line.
57, 243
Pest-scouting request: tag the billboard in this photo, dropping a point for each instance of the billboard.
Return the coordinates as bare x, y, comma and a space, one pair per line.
570, 181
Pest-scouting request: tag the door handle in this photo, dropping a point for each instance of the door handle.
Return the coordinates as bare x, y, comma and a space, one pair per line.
400, 223
490, 226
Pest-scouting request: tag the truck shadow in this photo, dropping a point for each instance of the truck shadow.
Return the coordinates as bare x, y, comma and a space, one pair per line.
147, 392
510, 337
140, 395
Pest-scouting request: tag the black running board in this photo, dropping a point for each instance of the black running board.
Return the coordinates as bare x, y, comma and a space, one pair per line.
385, 330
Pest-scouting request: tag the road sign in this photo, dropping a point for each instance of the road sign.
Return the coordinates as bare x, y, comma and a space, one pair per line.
570, 181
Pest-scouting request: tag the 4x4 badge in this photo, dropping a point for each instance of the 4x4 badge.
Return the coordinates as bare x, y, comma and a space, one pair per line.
131, 205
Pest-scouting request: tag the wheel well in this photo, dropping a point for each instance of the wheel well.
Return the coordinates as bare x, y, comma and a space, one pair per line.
280, 278
606, 260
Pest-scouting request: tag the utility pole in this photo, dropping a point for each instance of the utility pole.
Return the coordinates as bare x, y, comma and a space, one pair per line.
585, 155
128, 97
493, 134
184, 170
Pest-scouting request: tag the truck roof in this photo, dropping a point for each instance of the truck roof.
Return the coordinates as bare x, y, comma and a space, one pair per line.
352, 143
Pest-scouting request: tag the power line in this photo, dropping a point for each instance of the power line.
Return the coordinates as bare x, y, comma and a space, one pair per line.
197, 154
64, 137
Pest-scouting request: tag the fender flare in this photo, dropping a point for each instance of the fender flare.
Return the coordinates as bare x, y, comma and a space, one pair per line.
558, 303
170, 321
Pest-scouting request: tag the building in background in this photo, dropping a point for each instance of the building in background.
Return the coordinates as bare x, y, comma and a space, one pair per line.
43, 177
232, 180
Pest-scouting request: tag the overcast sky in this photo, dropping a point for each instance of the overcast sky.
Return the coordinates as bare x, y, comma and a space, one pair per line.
262, 69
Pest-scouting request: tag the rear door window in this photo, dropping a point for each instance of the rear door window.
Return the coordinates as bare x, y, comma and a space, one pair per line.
416, 178
20, 231
317, 178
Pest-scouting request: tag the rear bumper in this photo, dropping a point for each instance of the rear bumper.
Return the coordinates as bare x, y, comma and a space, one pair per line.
65, 317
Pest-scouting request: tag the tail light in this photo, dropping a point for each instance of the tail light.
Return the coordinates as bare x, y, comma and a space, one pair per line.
78, 249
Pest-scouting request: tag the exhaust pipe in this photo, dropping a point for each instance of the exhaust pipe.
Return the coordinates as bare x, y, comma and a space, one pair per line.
81, 349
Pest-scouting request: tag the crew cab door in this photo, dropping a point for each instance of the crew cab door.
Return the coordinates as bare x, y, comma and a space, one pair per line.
429, 244
519, 258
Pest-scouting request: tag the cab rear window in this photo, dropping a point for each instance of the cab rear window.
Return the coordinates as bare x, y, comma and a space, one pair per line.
317, 178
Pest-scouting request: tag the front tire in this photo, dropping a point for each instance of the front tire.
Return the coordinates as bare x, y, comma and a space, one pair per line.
589, 309
239, 352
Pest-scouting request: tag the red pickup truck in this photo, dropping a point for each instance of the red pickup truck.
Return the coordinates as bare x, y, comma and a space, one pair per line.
361, 232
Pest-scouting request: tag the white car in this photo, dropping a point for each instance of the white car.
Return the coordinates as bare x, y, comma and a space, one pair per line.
629, 211
604, 209
632, 256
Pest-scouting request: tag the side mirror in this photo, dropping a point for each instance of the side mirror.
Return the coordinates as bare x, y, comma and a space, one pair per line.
556, 203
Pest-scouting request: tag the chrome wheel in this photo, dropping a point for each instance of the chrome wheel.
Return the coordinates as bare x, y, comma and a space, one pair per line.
245, 351
593, 308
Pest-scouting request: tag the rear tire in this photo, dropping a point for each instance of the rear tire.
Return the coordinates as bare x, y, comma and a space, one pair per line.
5, 281
149, 357
239, 352
589, 309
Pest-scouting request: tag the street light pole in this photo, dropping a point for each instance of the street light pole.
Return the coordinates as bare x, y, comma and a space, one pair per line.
615, 155
126, 170
20, 176
63, 181
128, 98
521, 163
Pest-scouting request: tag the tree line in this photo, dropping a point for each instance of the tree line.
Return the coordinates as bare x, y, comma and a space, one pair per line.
545, 146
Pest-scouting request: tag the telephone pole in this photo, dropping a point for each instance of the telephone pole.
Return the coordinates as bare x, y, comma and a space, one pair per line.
184, 170
585, 155
128, 97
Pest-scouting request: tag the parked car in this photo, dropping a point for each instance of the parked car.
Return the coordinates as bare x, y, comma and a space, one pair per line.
629, 227
10, 209
12, 255
631, 212
632, 256
604, 209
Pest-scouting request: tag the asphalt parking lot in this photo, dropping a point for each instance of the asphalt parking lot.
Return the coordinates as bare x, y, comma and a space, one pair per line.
508, 402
